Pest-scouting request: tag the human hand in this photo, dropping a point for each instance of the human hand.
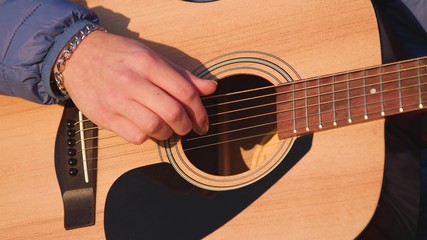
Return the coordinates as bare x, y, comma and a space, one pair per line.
122, 85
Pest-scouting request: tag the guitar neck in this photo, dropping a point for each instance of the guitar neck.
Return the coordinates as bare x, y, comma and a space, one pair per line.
351, 97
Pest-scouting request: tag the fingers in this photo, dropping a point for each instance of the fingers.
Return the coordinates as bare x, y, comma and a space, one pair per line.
153, 110
161, 105
148, 123
127, 130
186, 90
203, 86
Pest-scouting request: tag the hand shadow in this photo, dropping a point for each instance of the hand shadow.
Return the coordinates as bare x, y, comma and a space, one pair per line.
118, 24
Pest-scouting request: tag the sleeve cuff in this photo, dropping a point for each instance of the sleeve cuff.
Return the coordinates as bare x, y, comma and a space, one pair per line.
59, 44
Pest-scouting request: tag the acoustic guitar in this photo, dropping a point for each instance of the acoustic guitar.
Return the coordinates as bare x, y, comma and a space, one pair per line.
295, 148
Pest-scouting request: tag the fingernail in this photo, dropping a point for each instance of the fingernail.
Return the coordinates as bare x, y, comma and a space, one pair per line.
203, 130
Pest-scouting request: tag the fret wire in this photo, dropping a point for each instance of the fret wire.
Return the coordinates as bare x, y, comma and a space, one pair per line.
261, 125
399, 82
329, 122
333, 100
364, 94
348, 98
314, 78
294, 119
391, 81
372, 68
361, 78
319, 102
319, 85
381, 77
360, 105
283, 120
306, 106
381, 90
356, 106
419, 84
293, 107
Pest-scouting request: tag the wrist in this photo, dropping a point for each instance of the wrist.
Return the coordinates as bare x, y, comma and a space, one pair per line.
51, 57
66, 54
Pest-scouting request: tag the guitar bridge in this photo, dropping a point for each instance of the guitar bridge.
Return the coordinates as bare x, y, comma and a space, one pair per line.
75, 163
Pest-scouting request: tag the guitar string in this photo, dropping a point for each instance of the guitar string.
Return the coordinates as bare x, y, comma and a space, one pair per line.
284, 120
316, 105
303, 116
111, 136
377, 67
418, 67
137, 160
302, 107
128, 153
237, 139
312, 87
133, 152
303, 82
316, 96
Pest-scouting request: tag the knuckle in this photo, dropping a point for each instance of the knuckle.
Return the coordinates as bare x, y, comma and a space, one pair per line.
167, 134
186, 130
174, 114
126, 77
147, 59
178, 119
187, 92
154, 126
139, 138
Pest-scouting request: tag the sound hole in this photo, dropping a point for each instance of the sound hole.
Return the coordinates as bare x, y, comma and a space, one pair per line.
242, 125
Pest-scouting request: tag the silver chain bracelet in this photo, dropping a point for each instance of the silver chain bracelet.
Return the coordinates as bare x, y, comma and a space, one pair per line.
67, 52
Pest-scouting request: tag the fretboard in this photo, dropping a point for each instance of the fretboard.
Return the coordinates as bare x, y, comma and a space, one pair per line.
346, 98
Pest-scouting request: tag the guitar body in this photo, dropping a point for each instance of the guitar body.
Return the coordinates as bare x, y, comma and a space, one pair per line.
331, 189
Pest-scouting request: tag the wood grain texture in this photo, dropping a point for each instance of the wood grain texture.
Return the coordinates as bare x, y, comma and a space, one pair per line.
331, 193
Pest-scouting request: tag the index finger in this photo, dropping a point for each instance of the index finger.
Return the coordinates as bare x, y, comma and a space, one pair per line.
179, 84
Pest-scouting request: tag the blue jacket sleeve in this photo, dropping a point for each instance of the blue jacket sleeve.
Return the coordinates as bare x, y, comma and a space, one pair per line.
33, 32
